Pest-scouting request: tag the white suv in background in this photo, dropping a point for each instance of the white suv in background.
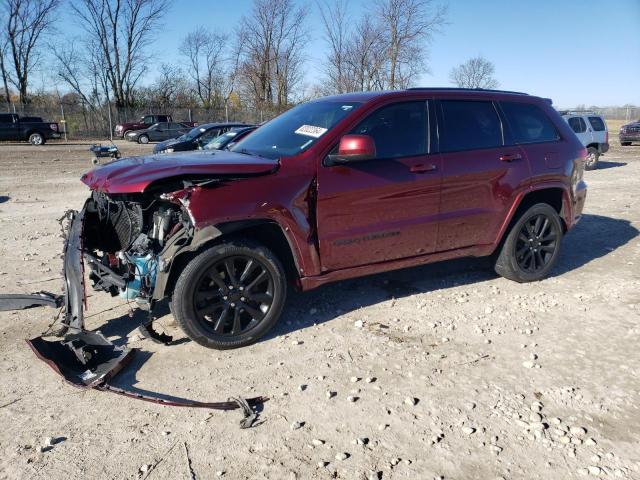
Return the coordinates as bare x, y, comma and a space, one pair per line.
592, 131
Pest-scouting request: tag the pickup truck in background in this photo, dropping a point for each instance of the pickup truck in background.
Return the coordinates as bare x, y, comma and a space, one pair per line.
12, 127
145, 122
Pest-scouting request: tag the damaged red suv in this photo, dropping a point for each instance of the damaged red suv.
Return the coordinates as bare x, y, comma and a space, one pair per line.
336, 188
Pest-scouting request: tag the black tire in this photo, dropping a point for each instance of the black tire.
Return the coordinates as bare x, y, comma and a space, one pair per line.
591, 163
143, 139
536, 237
205, 285
37, 139
625, 144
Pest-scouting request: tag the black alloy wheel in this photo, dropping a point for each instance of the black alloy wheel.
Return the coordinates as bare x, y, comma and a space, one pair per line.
531, 246
536, 244
234, 295
230, 295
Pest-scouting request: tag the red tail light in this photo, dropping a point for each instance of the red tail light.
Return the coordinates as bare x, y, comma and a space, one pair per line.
606, 136
54, 127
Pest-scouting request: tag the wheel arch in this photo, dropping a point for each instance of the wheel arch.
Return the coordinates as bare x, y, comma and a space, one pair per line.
556, 196
32, 131
263, 231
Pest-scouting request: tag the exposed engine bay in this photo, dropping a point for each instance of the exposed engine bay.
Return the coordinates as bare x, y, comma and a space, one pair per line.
123, 240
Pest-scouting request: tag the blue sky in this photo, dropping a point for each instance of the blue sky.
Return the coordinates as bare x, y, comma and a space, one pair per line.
575, 52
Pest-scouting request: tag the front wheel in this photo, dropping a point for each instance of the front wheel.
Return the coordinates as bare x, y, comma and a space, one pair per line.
230, 295
36, 139
591, 162
532, 245
144, 139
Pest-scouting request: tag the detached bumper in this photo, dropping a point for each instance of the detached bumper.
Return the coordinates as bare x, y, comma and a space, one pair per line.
73, 272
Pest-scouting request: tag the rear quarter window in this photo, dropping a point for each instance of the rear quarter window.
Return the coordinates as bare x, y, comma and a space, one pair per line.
529, 123
469, 125
597, 124
577, 124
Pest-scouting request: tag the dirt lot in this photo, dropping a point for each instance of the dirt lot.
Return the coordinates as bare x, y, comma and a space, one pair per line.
452, 372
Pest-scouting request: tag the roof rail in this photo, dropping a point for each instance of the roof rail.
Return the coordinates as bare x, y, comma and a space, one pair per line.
576, 112
466, 90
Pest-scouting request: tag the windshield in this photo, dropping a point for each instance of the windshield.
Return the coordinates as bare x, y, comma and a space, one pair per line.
220, 141
295, 130
191, 134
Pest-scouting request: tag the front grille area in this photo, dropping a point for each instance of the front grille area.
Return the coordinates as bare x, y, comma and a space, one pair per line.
112, 226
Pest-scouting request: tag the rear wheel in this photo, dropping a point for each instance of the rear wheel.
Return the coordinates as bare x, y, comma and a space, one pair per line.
144, 139
230, 295
532, 245
591, 163
36, 139
625, 144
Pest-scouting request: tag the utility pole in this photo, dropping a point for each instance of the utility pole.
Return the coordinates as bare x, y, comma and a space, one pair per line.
64, 122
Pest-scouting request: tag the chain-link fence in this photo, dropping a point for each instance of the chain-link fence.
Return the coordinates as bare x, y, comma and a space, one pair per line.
85, 121
80, 120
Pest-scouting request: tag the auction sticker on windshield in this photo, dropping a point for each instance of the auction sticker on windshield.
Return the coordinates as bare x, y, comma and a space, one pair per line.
311, 131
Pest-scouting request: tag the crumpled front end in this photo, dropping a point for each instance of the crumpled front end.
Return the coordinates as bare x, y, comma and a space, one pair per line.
124, 238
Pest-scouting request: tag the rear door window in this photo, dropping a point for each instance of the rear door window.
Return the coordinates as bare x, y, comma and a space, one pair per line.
597, 123
398, 130
529, 123
469, 125
577, 124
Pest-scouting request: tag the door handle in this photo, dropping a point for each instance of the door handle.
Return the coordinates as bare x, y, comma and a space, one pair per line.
422, 168
510, 157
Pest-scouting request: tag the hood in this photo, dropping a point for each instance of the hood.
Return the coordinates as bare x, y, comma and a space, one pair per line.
135, 174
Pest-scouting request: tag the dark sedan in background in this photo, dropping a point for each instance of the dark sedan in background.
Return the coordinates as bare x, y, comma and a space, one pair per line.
630, 133
158, 132
225, 140
196, 137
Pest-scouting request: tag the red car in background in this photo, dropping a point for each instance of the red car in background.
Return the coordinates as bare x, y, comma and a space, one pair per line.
147, 121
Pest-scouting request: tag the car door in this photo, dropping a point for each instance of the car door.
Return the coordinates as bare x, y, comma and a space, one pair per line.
384, 208
159, 132
173, 130
598, 129
479, 172
8, 130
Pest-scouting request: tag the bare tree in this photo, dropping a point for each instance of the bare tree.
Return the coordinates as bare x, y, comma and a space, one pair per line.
335, 23
272, 39
409, 26
366, 58
387, 48
122, 30
4, 48
27, 22
477, 72
204, 50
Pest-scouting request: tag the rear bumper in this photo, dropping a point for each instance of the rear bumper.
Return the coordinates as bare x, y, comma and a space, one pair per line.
578, 201
604, 147
54, 135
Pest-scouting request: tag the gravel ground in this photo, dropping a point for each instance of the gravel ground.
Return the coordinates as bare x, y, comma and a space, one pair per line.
442, 371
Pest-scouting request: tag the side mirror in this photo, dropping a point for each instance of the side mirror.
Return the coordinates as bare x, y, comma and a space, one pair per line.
353, 148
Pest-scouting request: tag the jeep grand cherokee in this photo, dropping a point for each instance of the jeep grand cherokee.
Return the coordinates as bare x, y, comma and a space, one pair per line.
336, 188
